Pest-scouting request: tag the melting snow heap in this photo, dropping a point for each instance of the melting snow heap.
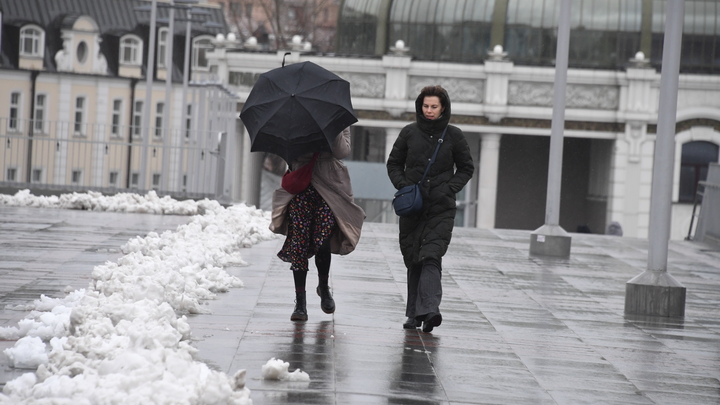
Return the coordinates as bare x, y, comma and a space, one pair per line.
121, 340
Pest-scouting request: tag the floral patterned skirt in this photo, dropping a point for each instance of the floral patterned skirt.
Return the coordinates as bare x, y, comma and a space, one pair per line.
311, 224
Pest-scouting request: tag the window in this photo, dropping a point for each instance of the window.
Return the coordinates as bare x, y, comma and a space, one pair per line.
694, 163
14, 115
32, 40
137, 119
37, 176
134, 179
188, 121
159, 119
79, 115
82, 52
112, 181
130, 50
40, 104
116, 118
162, 47
200, 48
76, 177
156, 180
368, 144
11, 174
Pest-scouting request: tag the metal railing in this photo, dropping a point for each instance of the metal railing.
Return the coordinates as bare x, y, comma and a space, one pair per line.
66, 156
708, 223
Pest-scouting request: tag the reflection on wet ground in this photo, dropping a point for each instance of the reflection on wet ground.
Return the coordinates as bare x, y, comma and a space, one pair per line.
516, 329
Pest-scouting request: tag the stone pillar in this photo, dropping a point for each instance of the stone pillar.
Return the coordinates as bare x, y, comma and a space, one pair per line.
487, 180
632, 160
396, 83
498, 72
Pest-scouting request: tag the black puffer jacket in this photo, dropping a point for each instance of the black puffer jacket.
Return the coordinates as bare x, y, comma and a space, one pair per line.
428, 234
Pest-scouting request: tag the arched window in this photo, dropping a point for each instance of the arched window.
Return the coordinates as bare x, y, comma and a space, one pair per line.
696, 156
131, 50
201, 46
32, 41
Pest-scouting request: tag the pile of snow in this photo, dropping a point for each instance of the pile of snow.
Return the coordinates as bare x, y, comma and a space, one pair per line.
121, 340
276, 369
121, 202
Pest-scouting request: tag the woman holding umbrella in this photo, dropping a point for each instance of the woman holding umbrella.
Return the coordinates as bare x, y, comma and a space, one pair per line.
424, 238
296, 112
318, 221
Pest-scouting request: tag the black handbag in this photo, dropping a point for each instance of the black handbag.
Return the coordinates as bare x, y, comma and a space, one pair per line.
408, 200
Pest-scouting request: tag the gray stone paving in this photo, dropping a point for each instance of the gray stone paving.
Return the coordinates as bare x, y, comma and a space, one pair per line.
516, 329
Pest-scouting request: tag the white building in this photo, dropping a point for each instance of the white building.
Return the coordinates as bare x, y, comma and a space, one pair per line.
73, 101
503, 101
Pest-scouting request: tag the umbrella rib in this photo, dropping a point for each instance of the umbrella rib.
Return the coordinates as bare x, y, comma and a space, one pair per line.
320, 100
320, 85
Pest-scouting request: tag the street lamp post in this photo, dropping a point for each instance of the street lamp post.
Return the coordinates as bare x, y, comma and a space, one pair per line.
172, 137
186, 78
149, 76
551, 239
168, 142
655, 292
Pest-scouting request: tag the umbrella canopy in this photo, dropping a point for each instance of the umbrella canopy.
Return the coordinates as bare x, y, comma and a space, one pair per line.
297, 109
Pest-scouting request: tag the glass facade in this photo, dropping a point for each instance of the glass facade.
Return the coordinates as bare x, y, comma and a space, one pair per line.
358, 28
605, 34
443, 30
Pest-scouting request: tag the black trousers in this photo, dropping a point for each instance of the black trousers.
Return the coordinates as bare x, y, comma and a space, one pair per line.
424, 289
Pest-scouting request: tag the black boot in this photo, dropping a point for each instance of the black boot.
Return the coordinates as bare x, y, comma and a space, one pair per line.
300, 312
432, 320
412, 323
327, 304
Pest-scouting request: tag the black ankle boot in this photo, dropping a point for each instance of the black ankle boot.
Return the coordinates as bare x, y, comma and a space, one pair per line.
300, 312
327, 304
412, 323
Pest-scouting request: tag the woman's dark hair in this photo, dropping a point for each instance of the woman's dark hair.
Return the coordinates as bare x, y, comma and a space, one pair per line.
437, 91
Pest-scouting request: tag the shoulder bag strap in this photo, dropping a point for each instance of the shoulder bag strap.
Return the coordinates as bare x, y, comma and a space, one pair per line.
432, 160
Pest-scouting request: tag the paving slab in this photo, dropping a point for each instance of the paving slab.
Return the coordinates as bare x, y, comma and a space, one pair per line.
516, 329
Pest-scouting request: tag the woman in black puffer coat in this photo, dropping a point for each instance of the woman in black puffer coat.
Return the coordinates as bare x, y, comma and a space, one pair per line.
424, 238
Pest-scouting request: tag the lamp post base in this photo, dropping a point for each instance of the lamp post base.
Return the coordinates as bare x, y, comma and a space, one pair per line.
550, 240
655, 293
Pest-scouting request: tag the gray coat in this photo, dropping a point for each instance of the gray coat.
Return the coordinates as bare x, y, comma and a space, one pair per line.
428, 234
332, 181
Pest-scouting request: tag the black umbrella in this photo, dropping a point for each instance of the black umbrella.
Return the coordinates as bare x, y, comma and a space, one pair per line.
297, 109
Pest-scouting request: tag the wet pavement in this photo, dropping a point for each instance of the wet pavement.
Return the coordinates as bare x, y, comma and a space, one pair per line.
516, 329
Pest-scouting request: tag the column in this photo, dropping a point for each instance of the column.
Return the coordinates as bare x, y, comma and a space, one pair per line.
396, 68
487, 180
632, 156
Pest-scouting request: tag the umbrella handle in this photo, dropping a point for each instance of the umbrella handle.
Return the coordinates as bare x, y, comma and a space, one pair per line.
286, 54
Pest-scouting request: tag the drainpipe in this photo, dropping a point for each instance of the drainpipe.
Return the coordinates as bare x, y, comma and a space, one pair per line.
133, 85
33, 79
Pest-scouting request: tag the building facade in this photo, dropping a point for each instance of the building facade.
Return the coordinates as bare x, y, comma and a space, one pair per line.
502, 99
77, 111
